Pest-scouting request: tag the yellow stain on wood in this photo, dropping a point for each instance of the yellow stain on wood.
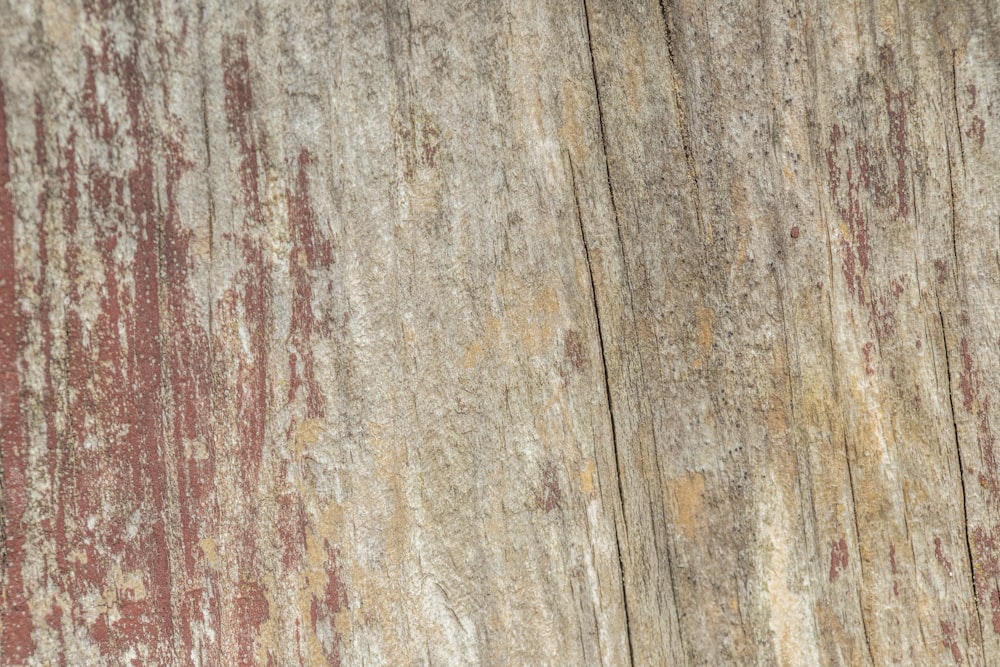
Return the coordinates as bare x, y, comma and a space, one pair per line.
196, 449
587, 476
571, 130
741, 254
634, 80
311, 582
78, 556
267, 635
210, 552
475, 351
688, 492
472, 354
61, 21
530, 319
536, 321
342, 622
706, 320
789, 620
777, 409
307, 434
554, 426
125, 587
132, 584
887, 19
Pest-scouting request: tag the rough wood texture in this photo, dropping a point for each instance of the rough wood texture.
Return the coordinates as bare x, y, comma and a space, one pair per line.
442, 332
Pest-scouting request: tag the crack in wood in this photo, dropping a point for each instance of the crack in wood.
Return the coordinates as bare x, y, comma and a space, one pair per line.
611, 413
692, 169
961, 473
861, 562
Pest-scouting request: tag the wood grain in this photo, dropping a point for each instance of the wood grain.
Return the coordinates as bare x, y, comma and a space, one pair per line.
565, 332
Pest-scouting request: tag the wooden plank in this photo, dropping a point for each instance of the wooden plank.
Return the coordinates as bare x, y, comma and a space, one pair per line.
589, 332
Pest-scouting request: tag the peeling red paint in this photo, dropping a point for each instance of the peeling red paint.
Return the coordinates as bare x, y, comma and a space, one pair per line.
862, 185
416, 142
977, 132
986, 570
251, 612
251, 372
854, 248
950, 640
882, 317
324, 610
550, 495
838, 558
248, 306
869, 351
55, 467
192, 437
152, 619
980, 408
114, 443
941, 558
292, 530
941, 269
967, 380
310, 253
16, 639
239, 108
896, 107
574, 349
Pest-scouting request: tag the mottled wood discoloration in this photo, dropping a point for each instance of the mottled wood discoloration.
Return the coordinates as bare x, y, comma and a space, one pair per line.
575, 332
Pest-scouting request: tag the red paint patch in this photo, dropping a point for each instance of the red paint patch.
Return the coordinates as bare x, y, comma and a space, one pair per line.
416, 142
251, 611
868, 176
574, 349
310, 254
16, 642
978, 131
948, 629
941, 559
869, 351
323, 611
941, 269
186, 347
980, 407
896, 106
292, 530
855, 248
968, 381
239, 113
550, 495
985, 570
795, 232
892, 566
838, 558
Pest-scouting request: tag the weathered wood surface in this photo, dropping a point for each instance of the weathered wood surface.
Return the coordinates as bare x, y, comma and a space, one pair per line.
438, 332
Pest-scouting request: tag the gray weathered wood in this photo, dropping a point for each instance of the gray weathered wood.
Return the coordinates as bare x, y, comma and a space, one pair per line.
563, 332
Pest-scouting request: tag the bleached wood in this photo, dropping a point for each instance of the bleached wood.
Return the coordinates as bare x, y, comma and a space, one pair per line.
590, 332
